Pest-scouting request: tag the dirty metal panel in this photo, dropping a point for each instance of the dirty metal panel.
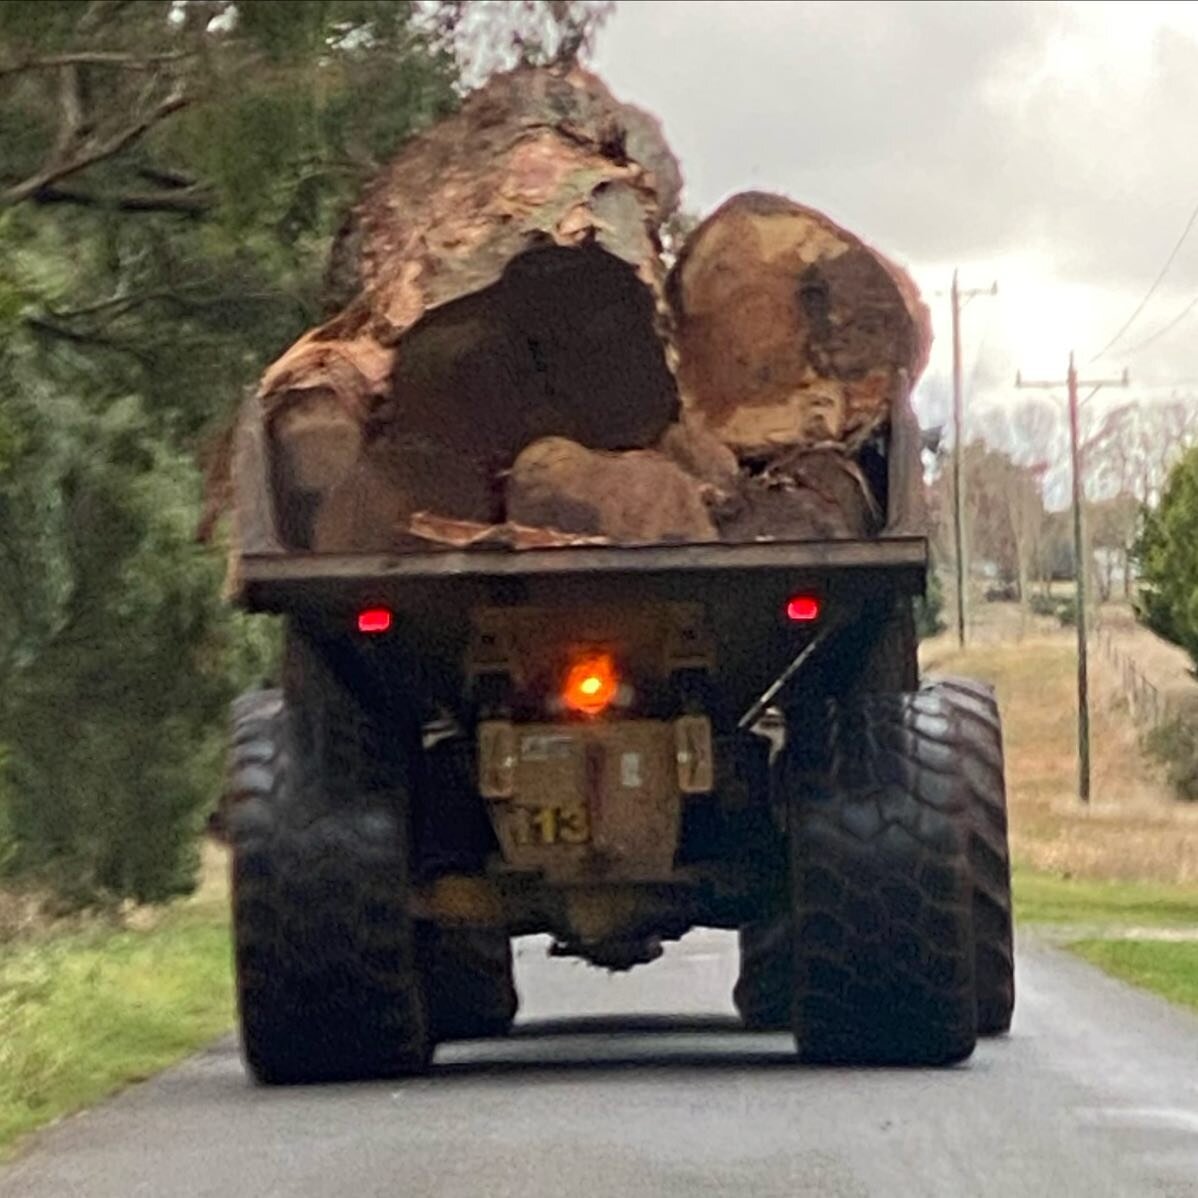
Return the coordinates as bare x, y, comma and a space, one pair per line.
535, 645
696, 762
592, 801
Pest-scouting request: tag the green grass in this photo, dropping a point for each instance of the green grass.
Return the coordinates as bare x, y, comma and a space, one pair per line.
1048, 898
1167, 967
85, 1013
1170, 968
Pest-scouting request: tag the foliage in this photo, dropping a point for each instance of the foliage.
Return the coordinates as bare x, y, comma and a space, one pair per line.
108, 722
1059, 607
1043, 605
929, 608
1167, 556
1066, 611
171, 175
1175, 744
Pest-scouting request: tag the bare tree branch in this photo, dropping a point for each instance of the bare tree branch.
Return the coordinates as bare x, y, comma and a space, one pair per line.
90, 150
166, 177
99, 58
184, 297
50, 329
188, 201
70, 101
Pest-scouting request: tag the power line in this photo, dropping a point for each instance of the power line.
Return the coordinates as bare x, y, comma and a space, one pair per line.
1155, 284
1135, 349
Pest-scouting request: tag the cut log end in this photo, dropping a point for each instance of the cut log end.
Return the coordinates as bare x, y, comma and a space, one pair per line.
790, 330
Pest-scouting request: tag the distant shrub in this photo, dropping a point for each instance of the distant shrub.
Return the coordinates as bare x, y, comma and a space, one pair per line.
1042, 605
1066, 612
1057, 607
1175, 745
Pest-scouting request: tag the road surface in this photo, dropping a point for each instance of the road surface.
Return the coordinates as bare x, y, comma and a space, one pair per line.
1095, 1093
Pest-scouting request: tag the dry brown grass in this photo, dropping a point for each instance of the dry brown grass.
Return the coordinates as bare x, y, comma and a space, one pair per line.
1133, 828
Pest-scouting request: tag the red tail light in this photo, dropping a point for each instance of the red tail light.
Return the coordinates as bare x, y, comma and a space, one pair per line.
803, 609
372, 620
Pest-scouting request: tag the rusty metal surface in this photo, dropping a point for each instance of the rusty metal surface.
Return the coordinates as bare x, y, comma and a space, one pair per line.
592, 802
535, 646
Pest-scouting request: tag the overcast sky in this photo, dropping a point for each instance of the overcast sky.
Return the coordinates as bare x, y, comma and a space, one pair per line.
1051, 147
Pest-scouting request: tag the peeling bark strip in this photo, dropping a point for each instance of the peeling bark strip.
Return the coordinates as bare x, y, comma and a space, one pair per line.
790, 330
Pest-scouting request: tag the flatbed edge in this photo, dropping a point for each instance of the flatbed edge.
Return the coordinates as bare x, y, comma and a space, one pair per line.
883, 554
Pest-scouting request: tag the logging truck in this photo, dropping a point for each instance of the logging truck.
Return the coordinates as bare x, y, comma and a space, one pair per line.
588, 635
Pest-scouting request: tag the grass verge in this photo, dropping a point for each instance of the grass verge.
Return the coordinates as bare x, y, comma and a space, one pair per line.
1073, 906
1045, 898
1168, 968
85, 1013
1090, 876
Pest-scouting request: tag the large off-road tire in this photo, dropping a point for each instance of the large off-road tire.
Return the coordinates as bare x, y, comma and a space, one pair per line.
981, 729
874, 962
764, 991
328, 982
881, 886
469, 989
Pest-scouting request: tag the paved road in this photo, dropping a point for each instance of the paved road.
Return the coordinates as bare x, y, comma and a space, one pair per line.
1094, 1094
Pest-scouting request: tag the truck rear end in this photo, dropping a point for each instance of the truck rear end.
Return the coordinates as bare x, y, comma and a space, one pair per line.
611, 745
597, 589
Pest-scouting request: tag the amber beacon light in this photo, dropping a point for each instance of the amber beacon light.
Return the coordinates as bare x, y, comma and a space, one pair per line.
591, 684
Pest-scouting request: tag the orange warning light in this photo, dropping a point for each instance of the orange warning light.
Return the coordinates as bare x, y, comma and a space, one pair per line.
591, 684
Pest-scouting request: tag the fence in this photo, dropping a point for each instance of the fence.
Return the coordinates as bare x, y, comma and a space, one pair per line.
1148, 705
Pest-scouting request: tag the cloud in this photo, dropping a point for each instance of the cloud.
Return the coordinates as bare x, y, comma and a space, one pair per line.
1049, 145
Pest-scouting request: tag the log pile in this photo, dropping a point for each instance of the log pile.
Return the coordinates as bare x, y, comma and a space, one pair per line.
511, 363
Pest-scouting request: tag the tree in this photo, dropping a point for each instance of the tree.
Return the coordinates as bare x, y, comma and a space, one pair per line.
1004, 512
171, 176
1167, 555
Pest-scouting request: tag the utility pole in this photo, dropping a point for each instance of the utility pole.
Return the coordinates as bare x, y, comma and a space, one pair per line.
959, 449
1080, 561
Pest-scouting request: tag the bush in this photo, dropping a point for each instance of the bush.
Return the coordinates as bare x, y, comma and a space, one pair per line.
1042, 605
1066, 611
1058, 607
1175, 745
115, 719
1167, 556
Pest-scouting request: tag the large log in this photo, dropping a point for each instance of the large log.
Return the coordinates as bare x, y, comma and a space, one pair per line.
637, 497
503, 283
791, 331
